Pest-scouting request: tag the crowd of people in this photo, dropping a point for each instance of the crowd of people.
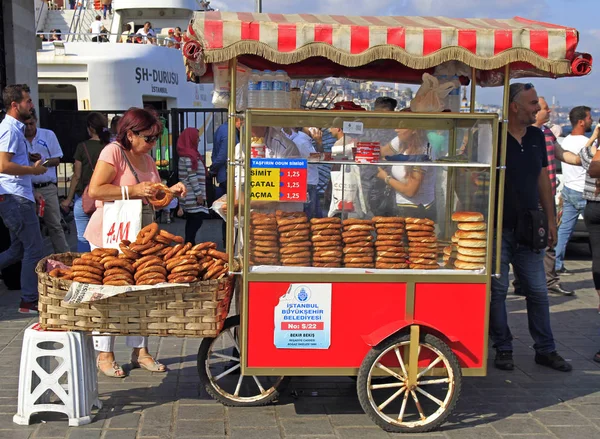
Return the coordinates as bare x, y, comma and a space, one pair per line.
144, 35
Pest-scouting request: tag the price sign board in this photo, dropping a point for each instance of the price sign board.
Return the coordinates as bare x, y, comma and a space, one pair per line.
278, 180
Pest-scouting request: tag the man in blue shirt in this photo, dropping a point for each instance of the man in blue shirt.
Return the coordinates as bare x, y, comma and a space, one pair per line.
17, 201
218, 168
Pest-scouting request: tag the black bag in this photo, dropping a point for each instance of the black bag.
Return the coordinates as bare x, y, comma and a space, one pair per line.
532, 229
382, 199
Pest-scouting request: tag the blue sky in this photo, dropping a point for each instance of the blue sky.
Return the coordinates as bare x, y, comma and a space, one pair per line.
584, 15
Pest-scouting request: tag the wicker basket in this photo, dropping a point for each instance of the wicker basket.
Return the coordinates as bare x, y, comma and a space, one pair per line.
195, 311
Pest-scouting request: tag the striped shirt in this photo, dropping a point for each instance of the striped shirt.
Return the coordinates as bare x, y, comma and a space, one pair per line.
591, 189
550, 148
195, 183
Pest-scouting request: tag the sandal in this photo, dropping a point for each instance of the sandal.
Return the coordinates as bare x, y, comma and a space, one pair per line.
115, 371
597, 357
154, 367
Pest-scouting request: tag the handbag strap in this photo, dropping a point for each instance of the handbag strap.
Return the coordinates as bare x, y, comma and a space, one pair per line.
88, 156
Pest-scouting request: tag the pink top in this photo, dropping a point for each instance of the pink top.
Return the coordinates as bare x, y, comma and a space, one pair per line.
112, 155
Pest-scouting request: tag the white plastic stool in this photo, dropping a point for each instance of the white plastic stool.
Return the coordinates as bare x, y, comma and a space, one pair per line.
76, 362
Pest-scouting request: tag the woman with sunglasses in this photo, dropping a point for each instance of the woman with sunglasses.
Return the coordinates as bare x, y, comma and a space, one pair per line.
127, 162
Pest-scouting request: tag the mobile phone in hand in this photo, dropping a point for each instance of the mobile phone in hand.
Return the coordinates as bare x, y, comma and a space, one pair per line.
45, 163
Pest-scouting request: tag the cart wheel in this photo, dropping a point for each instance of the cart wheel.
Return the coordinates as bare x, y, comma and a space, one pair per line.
219, 370
395, 407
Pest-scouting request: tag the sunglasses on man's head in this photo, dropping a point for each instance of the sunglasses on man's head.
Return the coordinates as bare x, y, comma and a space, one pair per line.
521, 88
147, 139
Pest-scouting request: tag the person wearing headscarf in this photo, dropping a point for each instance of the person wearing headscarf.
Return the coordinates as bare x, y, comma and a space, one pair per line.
192, 173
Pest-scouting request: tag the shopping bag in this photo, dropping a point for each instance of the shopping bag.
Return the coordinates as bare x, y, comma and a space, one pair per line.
347, 195
122, 219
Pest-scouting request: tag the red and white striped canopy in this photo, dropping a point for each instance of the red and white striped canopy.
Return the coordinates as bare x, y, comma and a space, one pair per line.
416, 42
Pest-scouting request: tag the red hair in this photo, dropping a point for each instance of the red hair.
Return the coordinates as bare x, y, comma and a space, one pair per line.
137, 120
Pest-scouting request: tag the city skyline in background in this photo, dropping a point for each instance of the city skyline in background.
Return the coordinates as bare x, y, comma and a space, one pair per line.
580, 14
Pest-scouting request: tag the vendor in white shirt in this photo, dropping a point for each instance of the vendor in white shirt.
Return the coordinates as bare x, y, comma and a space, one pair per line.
44, 146
148, 33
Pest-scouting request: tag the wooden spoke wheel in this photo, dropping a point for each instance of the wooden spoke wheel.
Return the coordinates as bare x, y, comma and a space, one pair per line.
397, 405
219, 367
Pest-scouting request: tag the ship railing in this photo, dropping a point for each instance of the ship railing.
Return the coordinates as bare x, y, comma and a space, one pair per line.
105, 38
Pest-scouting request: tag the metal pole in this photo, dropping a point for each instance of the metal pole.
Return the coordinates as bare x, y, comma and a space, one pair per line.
473, 88
258, 5
231, 195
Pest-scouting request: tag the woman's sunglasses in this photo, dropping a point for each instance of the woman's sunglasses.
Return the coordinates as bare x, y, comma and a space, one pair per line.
147, 139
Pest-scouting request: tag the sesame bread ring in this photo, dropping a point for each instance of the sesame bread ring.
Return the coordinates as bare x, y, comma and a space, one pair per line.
271, 249
117, 270
263, 232
88, 269
284, 241
183, 280
417, 255
183, 250
455, 239
300, 254
467, 216
332, 243
422, 244
299, 244
326, 265
472, 243
419, 221
87, 280
390, 226
465, 234
113, 277
327, 249
356, 227
282, 214
79, 273
396, 238
60, 272
294, 233
264, 261
290, 227
89, 262
138, 247
327, 254
154, 249
151, 269
151, 282
422, 239
287, 250
388, 231
187, 267
424, 266
354, 233
105, 252
148, 276
221, 274
219, 255
295, 260
472, 226
465, 258
161, 239
162, 197
128, 252
263, 222
91, 257
420, 227
147, 233
265, 243
470, 251
363, 239
423, 261
359, 265
357, 221
212, 271
146, 259
107, 258
290, 221
351, 259
324, 226
326, 232
265, 238
385, 243
321, 238
391, 260
391, 248
388, 219
175, 238
325, 220
462, 265
118, 283
391, 266
185, 273
119, 263
262, 254
389, 254
449, 250
368, 250
419, 233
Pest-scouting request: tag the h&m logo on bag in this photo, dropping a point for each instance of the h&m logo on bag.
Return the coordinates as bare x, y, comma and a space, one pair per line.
122, 233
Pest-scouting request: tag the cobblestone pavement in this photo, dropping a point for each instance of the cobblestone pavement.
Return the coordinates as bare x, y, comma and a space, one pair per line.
529, 402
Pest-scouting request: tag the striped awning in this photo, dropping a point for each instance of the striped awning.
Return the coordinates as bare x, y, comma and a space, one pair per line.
416, 42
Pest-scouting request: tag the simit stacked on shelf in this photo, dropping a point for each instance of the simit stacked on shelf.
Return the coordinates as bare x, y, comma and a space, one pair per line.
470, 240
326, 237
150, 260
358, 243
294, 238
422, 244
391, 252
264, 239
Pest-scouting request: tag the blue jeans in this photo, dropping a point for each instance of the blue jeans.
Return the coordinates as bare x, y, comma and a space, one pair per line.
106, 8
20, 217
313, 207
573, 206
81, 221
529, 267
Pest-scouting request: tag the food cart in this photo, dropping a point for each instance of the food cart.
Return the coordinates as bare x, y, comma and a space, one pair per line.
409, 333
